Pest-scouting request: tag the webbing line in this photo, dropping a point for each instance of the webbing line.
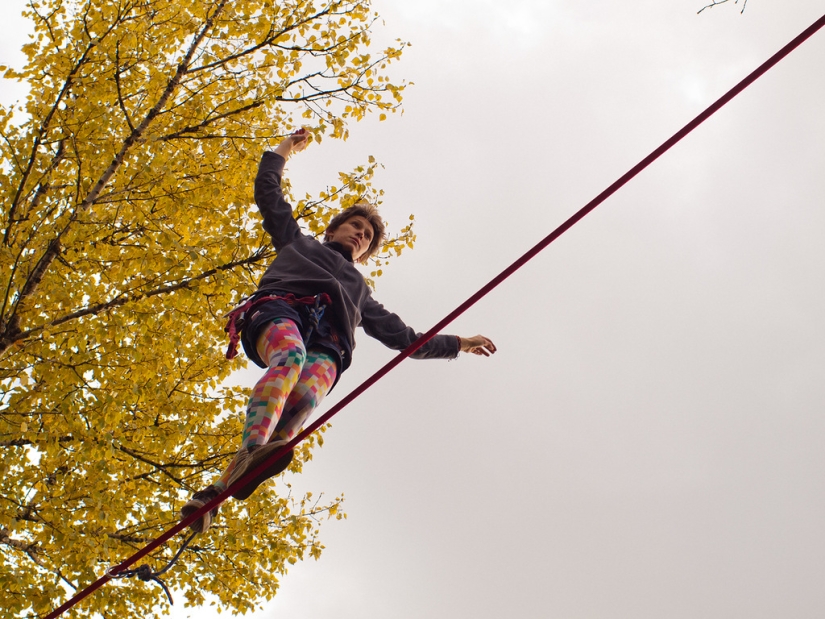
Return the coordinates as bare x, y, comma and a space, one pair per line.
713, 108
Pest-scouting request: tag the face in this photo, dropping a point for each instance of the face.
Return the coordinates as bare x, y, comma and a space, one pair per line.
355, 234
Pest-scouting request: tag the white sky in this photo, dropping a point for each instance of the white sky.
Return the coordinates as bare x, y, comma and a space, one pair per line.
648, 441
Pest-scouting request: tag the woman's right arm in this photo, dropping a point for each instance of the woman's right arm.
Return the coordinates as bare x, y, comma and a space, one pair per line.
278, 219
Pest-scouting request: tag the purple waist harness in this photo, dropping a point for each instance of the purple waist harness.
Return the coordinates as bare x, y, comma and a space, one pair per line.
236, 319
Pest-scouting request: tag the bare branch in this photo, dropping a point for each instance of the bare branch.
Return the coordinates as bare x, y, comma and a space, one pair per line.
718, 2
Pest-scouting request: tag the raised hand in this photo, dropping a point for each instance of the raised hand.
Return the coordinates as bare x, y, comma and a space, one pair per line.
296, 142
300, 139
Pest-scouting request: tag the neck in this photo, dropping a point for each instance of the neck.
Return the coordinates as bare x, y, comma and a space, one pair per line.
335, 246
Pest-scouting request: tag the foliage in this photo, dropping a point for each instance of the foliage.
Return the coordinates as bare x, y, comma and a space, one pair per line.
127, 233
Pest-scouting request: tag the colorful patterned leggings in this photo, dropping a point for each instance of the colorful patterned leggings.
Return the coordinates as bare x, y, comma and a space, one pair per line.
295, 383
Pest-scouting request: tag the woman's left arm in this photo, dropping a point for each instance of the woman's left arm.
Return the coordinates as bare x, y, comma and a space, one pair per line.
390, 330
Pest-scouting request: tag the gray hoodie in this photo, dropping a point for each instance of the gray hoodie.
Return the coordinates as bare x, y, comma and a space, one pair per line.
305, 266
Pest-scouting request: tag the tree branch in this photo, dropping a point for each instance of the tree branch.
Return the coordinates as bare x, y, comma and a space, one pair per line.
54, 246
157, 465
12, 336
29, 549
24, 442
44, 127
209, 121
717, 2
268, 40
119, 91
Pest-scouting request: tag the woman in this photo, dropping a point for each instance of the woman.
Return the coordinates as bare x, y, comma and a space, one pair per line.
300, 324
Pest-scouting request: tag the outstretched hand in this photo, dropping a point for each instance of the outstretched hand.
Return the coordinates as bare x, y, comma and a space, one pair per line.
478, 345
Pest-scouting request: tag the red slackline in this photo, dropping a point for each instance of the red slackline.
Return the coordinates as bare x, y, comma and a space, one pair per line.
719, 103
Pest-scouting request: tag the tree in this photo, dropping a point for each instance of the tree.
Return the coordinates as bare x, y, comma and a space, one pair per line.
127, 234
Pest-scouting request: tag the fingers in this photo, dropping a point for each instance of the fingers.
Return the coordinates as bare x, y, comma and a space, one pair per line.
300, 139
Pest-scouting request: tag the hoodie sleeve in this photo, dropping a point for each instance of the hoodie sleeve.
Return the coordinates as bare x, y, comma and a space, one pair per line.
391, 331
279, 221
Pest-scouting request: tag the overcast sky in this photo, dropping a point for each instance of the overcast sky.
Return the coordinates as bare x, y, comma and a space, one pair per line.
647, 443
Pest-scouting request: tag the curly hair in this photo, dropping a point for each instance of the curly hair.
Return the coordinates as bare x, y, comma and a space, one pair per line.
368, 212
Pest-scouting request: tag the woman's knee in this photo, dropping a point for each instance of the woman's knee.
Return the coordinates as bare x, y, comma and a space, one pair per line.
280, 343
